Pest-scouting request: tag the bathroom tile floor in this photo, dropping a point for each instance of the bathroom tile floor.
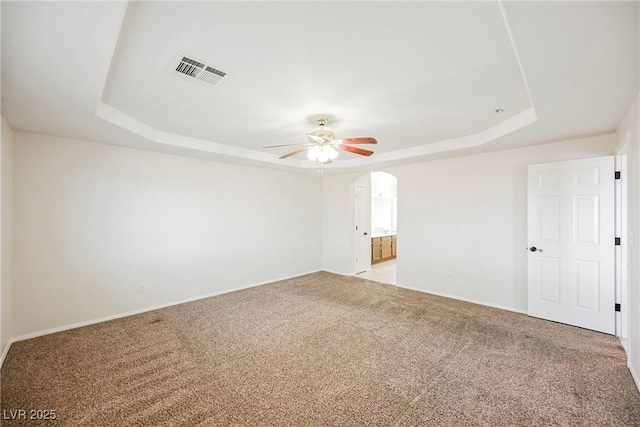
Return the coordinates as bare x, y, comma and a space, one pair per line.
384, 272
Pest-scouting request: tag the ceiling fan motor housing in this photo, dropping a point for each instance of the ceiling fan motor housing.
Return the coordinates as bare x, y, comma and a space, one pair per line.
325, 135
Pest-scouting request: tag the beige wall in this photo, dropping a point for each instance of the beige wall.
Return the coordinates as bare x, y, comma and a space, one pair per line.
464, 216
93, 221
6, 231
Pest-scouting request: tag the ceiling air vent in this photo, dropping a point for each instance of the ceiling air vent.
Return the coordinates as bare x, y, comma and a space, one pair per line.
190, 69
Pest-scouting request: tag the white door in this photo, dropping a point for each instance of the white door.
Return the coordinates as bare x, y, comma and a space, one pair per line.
363, 239
571, 243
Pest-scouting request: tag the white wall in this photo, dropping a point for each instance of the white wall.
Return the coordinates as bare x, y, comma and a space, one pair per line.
338, 195
6, 164
628, 130
93, 221
465, 216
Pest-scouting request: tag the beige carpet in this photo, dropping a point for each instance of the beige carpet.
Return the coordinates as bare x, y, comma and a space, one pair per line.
323, 350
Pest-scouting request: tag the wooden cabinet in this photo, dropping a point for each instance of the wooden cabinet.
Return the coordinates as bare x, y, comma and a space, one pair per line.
376, 252
394, 246
386, 247
383, 248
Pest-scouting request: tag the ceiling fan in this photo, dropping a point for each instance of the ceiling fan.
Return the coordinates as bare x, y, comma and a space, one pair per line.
323, 145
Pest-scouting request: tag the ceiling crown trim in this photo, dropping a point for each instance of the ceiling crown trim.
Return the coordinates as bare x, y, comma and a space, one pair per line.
231, 153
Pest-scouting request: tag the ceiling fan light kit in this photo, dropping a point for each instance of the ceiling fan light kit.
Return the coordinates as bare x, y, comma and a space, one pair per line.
323, 153
323, 146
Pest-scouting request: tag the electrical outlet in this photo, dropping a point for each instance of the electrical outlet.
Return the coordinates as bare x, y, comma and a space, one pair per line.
142, 288
448, 276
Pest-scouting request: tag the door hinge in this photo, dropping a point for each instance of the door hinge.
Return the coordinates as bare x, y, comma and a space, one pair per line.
617, 307
617, 175
617, 241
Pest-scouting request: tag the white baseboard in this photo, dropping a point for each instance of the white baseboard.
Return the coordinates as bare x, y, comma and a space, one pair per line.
336, 272
625, 344
146, 309
486, 304
634, 375
4, 353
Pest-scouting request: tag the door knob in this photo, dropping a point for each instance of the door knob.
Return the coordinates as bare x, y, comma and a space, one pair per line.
534, 249
365, 233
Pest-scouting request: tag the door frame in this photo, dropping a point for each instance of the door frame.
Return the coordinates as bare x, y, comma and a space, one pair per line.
622, 231
365, 181
365, 227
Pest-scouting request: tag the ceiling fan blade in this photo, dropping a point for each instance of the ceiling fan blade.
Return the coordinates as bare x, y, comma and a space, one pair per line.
293, 153
285, 145
354, 150
367, 140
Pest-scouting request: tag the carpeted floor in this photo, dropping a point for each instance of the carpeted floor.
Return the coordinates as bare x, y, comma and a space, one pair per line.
323, 350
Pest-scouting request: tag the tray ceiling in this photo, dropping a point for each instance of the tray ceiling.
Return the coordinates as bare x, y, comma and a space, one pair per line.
424, 78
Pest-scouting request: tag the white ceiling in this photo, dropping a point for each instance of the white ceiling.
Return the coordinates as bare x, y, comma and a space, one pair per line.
424, 78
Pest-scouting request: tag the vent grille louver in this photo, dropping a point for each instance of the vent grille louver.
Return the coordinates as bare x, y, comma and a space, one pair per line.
191, 68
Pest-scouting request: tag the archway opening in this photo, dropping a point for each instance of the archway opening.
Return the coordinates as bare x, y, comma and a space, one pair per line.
376, 228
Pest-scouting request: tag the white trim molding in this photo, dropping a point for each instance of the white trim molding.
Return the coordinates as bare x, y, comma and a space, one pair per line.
470, 300
5, 352
634, 375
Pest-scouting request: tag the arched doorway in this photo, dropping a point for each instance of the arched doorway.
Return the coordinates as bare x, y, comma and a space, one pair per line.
376, 227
